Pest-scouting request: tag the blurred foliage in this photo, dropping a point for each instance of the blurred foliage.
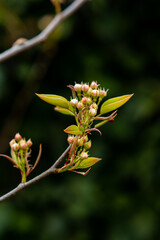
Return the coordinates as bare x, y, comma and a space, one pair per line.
117, 44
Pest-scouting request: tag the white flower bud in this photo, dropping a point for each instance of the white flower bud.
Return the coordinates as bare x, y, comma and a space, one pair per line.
85, 87
18, 137
95, 93
92, 112
84, 155
94, 85
77, 87
74, 102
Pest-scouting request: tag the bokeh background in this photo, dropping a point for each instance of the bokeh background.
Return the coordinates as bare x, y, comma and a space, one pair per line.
116, 43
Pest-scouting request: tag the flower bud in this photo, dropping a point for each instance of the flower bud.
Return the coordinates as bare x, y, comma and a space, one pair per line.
92, 112
78, 87
84, 100
94, 106
15, 147
85, 87
80, 105
102, 93
94, 85
29, 143
85, 138
84, 155
87, 145
95, 93
89, 91
70, 139
12, 142
23, 144
80, 142
18, 137
74, 102
88, 101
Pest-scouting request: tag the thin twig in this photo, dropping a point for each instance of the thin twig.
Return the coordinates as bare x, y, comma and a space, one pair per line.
21, 186
15, 49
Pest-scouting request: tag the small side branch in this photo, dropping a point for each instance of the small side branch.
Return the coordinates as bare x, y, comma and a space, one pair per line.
51, 170
14, 50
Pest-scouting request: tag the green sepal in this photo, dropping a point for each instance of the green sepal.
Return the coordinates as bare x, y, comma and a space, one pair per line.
54, 100
114, 103
101, 123
73, 129
63, 111
86, 163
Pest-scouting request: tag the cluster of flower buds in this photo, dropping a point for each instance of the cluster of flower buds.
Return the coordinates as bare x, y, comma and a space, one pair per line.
20, 151
19, 143
91, 90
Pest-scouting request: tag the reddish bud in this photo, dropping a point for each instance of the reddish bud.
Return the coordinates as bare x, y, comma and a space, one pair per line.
87, 145
80, 142
111, 120
85, 138
95, 93
94, 105
94, 85
85, 87
84, 100
78, 87
74, 102
84, 155
80, 105
18, 137
70, 139
29, 143
92, 112
12, 142
15, 147
102, 93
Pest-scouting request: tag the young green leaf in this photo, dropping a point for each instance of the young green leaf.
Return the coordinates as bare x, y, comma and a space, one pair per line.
63, 111
73, 129
88, 162
54, 100
114, 103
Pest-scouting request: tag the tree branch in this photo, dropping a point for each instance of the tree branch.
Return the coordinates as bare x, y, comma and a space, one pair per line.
51, 170
14, 50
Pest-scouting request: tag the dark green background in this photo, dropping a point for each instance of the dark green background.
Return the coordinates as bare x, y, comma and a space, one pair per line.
116, 43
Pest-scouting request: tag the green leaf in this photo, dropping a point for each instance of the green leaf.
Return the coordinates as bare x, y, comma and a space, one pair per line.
114, 103
86, 163
63, 111
73, 129
54, 100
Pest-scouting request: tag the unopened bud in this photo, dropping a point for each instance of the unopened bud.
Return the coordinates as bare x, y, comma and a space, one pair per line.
29, 143
89, 91
84, 100
78, 87
111, 120
94, 105
95, 93
18, 137
94, 85
74, 102
70, 139
102, 93
85, 138
80, 142
87, 145
15, 147
89, 101
92, 112
80, 105
23, 144
12, 142
84, 155
85, 87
